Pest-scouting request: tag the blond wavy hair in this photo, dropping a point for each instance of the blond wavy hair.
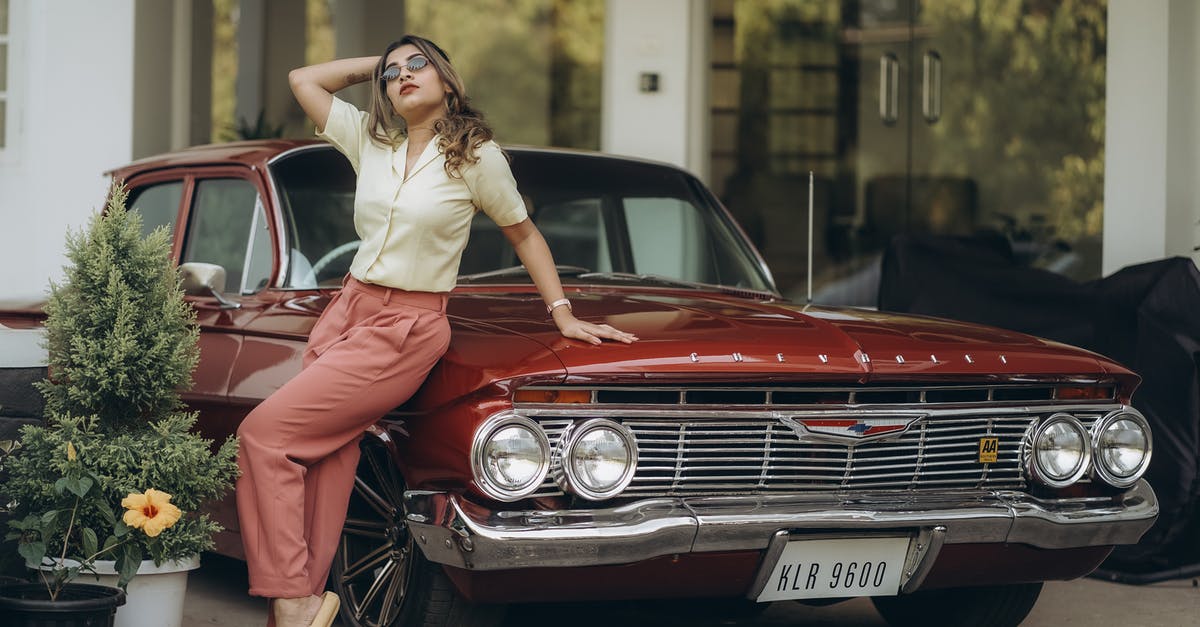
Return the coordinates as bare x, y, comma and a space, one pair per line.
460, 132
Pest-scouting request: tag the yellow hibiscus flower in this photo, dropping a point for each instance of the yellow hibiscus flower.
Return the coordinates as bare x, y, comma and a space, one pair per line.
151, 512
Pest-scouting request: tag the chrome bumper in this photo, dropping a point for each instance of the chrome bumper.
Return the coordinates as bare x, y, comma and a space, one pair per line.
458, 533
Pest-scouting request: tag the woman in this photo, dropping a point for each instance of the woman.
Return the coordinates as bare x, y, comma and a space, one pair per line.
426, 162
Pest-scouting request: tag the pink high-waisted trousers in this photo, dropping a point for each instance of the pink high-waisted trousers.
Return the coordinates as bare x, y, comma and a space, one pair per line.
370, 350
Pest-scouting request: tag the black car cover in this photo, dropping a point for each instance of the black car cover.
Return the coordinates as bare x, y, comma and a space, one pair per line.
1146, 317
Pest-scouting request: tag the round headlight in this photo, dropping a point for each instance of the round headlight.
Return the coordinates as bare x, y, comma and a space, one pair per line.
1122, 445
510, 457
1061, 451
598, 457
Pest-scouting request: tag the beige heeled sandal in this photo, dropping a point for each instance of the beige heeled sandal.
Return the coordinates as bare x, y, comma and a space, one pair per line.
328, 610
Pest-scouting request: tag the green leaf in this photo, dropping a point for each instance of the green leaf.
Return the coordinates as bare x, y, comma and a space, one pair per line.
90, 542
121, 529
60, 486
128, 565
109, 544
83, 484
72, 485
33, 552
106, 513
48, 517
29, 522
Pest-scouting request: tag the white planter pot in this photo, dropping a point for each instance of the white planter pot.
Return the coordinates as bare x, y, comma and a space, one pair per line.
154, 597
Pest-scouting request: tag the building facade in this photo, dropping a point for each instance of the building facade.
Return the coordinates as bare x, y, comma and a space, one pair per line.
1071, 127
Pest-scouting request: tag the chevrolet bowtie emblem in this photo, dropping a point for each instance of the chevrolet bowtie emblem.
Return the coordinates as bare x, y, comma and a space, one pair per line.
850, 429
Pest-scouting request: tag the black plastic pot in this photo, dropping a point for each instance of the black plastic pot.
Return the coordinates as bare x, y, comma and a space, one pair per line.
78, 605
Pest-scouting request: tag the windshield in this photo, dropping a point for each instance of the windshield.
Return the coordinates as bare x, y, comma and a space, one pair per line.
316, 194
598, 215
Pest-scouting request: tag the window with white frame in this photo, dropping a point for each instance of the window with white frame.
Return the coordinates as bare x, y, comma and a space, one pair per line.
4, 78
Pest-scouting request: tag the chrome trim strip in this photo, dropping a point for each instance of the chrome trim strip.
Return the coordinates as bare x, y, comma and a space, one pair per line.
689, 413
923, 554
766, 565
505, 540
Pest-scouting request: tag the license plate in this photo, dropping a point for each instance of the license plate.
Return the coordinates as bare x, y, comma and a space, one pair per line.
847, 567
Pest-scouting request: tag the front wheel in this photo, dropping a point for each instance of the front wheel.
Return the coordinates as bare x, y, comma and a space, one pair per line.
986, 606
382, 577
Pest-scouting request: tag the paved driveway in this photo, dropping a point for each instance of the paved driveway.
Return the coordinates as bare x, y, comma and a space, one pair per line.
217, 596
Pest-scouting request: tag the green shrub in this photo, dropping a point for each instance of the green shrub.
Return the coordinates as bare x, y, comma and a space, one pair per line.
121, 343
120, 336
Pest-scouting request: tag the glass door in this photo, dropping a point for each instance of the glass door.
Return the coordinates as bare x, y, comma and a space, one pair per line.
1008, 127
952, 117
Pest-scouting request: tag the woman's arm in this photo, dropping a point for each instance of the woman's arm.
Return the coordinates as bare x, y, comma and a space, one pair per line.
314, 85
535, 254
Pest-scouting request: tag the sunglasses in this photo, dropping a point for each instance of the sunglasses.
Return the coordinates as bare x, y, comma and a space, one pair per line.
413, 64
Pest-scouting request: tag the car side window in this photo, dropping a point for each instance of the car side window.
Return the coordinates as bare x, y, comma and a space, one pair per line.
228, 227
667, 237
575, 233
675, 238
157, 203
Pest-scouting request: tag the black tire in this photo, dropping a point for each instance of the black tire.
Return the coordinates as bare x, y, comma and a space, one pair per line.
989, 606
382, 578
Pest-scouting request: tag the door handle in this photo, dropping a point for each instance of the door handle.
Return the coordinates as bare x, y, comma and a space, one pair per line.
889, 88
931, 87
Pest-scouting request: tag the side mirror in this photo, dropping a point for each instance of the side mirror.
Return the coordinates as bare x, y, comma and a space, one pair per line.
205, 279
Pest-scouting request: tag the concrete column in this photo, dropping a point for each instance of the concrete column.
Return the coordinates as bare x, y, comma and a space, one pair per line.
251, 37
199, 120
181, 74
666, 42
73, 99
1152, 167
286, 28
155, 83
362, 28
1183, 140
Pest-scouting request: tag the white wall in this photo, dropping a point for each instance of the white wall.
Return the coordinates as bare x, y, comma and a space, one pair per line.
670, 38
1152, 163
73, 103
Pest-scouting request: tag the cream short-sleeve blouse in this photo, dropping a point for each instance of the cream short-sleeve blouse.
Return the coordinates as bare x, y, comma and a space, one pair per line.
414, 229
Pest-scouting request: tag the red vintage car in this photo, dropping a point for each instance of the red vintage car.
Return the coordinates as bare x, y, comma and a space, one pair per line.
746, 448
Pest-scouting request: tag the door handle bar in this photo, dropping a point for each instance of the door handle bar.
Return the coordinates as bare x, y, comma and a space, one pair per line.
889, 88
931, 87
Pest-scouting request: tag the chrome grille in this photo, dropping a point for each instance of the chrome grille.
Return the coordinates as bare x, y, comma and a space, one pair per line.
704, 451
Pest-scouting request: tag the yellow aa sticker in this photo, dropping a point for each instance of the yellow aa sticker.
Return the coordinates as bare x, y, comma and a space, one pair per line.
989, 448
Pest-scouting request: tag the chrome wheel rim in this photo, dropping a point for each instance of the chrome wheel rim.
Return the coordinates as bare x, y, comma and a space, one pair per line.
373, 565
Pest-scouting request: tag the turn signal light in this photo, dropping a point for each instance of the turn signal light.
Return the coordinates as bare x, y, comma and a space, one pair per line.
552, 396
1085, 393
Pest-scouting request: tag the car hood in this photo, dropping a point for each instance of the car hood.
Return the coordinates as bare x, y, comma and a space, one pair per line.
688, 336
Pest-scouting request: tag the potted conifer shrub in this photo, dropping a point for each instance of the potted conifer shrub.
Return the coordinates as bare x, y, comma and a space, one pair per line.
112, 485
